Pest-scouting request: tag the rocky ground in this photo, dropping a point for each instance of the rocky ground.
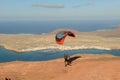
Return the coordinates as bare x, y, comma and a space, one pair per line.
83, 67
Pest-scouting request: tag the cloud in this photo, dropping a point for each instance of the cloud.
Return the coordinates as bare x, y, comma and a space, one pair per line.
90, 4
49, 5
83, 5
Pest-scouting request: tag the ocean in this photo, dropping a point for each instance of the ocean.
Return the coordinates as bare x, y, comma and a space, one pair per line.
46, 26
45, 55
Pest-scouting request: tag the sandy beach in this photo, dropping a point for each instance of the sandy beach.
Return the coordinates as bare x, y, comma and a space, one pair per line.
83, 67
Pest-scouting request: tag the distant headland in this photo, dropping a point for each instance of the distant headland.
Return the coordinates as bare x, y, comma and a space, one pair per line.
105, 40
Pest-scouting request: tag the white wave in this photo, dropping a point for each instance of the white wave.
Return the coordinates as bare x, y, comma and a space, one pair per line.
65, 48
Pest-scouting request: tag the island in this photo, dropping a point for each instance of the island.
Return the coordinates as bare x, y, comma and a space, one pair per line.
102, 39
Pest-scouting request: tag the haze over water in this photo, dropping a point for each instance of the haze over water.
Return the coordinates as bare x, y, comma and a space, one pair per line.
46, 26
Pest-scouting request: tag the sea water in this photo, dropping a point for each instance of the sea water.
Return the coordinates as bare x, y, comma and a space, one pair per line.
46, 26
43, 55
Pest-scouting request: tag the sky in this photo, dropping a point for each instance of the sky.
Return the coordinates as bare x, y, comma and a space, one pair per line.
60, 9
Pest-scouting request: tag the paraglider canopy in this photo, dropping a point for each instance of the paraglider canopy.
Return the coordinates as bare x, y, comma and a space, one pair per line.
60, 36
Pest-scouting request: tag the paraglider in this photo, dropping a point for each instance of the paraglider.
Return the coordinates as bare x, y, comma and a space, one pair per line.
60, 36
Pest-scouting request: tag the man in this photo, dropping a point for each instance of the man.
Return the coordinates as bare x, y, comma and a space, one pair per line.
67, 60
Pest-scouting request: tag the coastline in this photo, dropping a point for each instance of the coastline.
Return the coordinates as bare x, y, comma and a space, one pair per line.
64, 48
60, 47
103, 40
